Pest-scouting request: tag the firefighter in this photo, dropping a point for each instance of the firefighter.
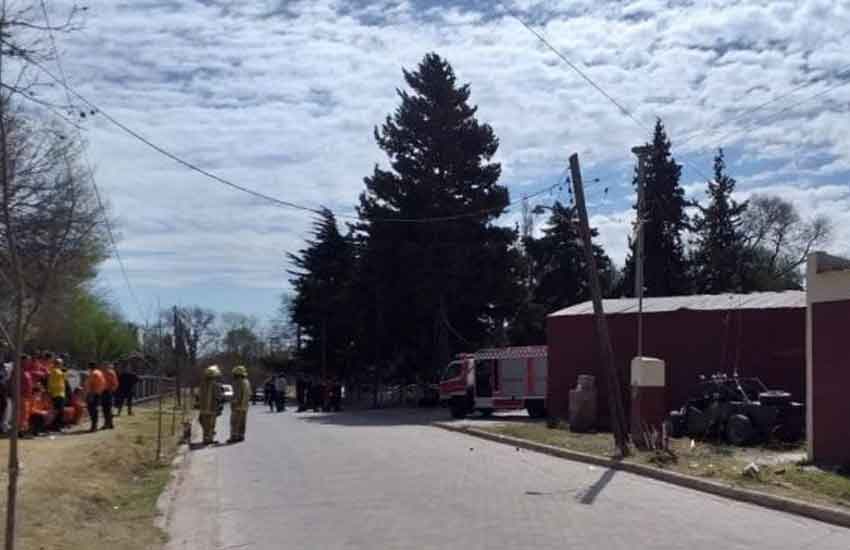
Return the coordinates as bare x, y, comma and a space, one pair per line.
208, 403
239, 404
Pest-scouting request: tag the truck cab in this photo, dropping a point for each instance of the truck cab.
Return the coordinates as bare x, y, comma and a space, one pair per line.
496, 379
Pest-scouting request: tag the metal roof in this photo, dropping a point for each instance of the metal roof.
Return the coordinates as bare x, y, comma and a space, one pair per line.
699, 302
520, 352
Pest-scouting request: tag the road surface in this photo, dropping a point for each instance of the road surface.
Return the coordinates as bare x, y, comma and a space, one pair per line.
386, 480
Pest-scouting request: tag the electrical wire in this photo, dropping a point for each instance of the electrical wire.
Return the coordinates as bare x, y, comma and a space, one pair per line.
273, 200
89, 168
742, 114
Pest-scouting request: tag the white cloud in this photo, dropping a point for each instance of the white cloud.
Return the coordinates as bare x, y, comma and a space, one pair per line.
282, 97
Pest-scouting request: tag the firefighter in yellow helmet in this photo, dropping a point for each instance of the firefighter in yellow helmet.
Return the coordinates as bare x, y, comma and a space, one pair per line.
239, 404
208, 402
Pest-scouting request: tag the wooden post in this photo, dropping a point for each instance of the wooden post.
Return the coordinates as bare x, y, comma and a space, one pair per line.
615, 393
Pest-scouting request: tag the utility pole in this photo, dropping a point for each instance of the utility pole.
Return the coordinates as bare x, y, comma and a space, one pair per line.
615, 393
178, 349
641, 152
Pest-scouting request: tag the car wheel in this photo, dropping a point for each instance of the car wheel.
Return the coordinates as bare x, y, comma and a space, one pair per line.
739, 429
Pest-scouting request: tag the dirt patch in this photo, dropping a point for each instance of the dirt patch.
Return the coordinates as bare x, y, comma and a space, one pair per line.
780, 471
85, 490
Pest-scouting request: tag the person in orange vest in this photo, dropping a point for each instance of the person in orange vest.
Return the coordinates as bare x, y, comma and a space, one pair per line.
108, 395
95, 385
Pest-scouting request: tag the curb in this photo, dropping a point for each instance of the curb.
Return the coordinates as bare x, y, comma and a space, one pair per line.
833, 516
165, 501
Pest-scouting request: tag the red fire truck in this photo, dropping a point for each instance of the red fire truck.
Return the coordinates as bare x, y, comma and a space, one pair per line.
496, 379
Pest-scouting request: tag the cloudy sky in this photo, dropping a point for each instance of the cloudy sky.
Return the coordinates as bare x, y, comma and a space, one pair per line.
282, 97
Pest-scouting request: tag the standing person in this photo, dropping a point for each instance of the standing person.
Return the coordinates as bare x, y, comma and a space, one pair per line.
56, 390
208, 403
5, 393
269, 391
108, 396
280, 385
300, 392
95, 384
127, 380
239, 404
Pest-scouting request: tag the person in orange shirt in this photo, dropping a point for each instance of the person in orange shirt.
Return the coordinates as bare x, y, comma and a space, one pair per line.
95, 385
108, 395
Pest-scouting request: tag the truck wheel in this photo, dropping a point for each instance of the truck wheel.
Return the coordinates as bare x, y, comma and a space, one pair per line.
457, 407
739, 430
535, 409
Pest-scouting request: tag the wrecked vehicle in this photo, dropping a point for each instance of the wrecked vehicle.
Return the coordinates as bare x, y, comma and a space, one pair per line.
739, 410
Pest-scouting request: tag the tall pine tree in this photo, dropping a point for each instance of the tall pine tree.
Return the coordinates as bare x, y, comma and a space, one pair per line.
322, 304
438, 286
558, 275
719, 256
665, 269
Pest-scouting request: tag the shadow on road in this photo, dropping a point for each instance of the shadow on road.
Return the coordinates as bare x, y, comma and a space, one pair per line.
403, 416
588, 496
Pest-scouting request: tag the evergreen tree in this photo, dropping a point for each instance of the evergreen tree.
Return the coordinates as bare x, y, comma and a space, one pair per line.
719, 255
322, 305
558, 274
446, 284
665, 266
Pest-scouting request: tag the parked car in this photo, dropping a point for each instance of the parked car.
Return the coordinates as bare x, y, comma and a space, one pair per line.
226, 393
739, 410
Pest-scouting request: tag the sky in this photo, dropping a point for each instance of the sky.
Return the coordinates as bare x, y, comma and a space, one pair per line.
282, 97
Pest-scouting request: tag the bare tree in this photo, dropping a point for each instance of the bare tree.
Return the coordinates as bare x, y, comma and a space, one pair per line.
48, 221
778, 237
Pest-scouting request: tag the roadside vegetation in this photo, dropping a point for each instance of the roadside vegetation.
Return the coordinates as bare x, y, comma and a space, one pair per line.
780, 470
82, 490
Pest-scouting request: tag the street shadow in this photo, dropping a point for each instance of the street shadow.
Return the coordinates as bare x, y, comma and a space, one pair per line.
589, 495
405, 416
375, 417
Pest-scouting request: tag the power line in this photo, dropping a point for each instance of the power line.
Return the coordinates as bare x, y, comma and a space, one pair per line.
89, 168
596, 86
579, 71
690, 136
279, 202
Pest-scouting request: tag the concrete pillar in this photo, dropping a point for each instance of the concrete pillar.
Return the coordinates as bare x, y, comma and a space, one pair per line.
649, 398
827, 358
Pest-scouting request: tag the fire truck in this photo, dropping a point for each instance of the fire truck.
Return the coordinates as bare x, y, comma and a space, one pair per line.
496, 379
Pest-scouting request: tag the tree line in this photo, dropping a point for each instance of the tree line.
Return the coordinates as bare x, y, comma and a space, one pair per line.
427, 271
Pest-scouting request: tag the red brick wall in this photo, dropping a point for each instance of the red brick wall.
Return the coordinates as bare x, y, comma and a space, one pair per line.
772, 347
831, 382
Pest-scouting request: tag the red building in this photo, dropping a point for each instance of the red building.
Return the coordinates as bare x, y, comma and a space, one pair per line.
760, 334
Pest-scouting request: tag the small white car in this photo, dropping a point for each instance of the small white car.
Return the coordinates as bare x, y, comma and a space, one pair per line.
226, 393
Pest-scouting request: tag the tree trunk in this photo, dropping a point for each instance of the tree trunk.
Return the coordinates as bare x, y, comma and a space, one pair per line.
14, 466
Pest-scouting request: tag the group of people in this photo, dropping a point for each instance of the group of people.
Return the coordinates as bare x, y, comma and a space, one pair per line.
318, 394
52, 397
274, 392
210, 399
108, 390
311, 393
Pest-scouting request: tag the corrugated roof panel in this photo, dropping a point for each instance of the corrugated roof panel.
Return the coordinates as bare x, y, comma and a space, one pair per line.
698, 302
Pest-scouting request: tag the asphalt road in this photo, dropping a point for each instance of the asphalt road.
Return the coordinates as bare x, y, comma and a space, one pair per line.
386, 480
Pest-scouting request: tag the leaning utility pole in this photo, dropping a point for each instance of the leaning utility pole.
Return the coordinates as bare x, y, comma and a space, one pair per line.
615, 393
641, 152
